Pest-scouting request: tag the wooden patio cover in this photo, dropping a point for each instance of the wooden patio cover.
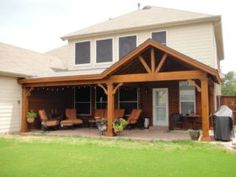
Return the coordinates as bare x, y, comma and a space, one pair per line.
149, 62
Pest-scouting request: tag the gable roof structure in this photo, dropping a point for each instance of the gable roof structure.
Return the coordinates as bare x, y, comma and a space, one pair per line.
213, 73
150, 17
19, 62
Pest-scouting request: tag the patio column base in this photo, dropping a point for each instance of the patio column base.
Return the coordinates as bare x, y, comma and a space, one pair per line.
109, 134
205, 138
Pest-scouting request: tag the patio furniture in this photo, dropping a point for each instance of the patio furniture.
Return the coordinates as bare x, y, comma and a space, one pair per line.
134, 116
119, 113
45, 122
71, 115
71, 119
177, 121
190, 120
102, 125
98, 114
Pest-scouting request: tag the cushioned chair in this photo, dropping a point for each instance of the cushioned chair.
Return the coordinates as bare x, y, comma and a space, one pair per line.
98, 114
119, 113
45, 122
71, 115
177, 121
134, 116
71, 118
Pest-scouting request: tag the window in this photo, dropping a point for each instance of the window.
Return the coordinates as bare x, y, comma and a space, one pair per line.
187, 98
159, 37
82, 52
104, 50
126, 45
101, 99
128, 99
83, 100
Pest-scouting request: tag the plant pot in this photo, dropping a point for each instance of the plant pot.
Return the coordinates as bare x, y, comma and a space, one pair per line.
30, 120
194, 134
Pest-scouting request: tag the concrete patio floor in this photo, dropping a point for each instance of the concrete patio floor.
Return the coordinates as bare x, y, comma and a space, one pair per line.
153, 133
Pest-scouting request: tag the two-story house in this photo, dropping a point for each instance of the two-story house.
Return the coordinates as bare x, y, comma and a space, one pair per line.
162, 61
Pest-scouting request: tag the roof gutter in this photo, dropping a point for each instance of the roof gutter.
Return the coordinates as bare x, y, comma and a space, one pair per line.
14, 74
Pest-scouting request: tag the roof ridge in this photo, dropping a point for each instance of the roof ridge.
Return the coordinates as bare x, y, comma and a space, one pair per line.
140, 18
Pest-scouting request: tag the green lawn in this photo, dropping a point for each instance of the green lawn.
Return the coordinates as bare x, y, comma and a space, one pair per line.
74, 156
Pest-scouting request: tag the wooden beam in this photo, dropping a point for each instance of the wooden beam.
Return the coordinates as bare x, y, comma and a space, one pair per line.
104, 89
110, 108
24, 127
193, 83
117, 86
65, 83
205, 109
28, 93
161, 76
153, 64
141, 59
162, 61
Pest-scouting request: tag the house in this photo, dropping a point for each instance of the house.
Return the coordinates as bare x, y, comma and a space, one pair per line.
16, 63
161, 60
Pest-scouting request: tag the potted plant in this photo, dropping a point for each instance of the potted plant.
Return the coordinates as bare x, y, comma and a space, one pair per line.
194, 134
119, 125
102, 125
31, 115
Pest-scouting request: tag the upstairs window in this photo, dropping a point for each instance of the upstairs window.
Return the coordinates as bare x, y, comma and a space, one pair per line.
126, 45
82, 52
159, 37
187, 98
104, 50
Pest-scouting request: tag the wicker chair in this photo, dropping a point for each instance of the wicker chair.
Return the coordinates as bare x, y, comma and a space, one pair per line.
177, 121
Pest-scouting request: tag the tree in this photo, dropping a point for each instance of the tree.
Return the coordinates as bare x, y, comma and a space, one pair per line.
229, 84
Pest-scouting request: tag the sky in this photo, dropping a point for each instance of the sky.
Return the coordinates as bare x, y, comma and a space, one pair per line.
38, 24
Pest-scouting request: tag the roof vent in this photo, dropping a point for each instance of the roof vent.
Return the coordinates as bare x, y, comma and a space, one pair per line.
147, 7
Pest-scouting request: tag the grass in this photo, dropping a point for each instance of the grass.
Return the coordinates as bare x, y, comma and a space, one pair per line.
75, 156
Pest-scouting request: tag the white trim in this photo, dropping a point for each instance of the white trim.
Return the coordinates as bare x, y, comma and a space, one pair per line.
83, 64
95, 50
154, 90
125, 35
194, 101
158, 31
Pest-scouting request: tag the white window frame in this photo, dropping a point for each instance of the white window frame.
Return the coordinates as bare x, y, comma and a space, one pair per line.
159, 32
90, 110
188, 101
83, 64
126, 35
113, 51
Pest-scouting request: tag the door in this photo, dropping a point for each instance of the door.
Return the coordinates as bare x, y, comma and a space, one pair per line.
160, 107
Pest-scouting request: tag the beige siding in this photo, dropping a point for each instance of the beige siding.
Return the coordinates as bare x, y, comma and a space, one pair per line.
10, 105
196, 41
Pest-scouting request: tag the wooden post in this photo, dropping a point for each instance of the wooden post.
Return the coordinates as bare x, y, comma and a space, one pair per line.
110, 108
24, 127
205, 109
